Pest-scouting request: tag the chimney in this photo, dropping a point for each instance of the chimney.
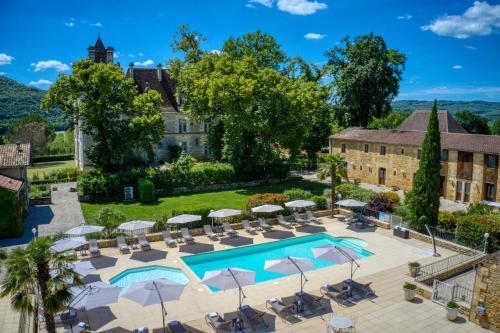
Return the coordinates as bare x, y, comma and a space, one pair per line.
18, 147
158, 72
131, 70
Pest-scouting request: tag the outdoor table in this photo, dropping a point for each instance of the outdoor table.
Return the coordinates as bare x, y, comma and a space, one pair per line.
338, 324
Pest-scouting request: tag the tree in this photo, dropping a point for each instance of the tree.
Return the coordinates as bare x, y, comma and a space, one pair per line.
495, 127
188, 42
30, 285
366, 77
34, 130
110, 219
117, 119
423, 200
472, 123
333, 165
390, 121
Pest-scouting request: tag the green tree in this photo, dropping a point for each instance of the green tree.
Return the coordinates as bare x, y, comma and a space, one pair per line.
390, 121
110, 110
366, 76
333, 165
495, 127
424, 198
189, 43
30, 285
110, 219
472, 123
34, 130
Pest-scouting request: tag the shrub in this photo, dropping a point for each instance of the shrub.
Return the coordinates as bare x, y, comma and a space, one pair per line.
410, 286
319, 201
479, 209
414, 264
109, 219
392, 196
447, 220
471, 229
380, 203
452, 305
297, 193
67, 174
402, 211
146, 190
39, 191
266, 198
352, 191
13, 211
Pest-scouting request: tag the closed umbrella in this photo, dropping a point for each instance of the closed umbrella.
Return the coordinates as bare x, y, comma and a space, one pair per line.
136, 225
183, 219
300, 203
230, 278
83, 229
267, 209
94, 295
65, 244
222, 213
290, 265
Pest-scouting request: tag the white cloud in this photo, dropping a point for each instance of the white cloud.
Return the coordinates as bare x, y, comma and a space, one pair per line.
470, 47
40, 83
5, 59
266, 3
301, 7
215, 51
479, 20
405, 17
313, 35
460, 92
50, 64
141, 54
117, 54
2, 73
457, 67
97, 24
148, 62
69, 24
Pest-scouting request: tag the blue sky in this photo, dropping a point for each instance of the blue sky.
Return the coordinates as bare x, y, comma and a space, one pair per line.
453, 47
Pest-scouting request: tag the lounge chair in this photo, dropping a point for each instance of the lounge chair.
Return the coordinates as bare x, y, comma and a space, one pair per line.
93, 248
218, 323
264, 225
297, 218
176, 326
209, 232
122, 245
248, 228
281, 309
229, 230
362, 287
283, 222
309, 300
255, 317
143, 242
141, 330
334, 293
167, 237
187, 236
310, 216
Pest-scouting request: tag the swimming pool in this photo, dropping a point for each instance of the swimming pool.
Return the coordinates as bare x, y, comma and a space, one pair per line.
140, 274
253, 257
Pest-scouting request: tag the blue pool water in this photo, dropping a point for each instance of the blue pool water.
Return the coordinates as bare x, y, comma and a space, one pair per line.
253, 257
130, 276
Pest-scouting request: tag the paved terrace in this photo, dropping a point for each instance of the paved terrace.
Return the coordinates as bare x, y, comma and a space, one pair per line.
387, 269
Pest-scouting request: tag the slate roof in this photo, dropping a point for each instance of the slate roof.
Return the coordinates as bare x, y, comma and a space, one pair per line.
10, 183
12, 156
419, 119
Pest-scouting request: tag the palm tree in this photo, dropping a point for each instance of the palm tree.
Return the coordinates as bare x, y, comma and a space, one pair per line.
29, 284
332, 165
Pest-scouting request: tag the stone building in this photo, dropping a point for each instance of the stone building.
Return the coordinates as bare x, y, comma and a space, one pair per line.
14, 162
180, 131
469, 171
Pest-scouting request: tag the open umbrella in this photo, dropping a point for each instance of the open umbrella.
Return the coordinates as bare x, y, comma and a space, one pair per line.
183, 219
300, 203
267, 209
230, 278
94, 295
222, 213
136, 225
83, 268
351, 203
155, 292
65, 244
290, 265
83, 229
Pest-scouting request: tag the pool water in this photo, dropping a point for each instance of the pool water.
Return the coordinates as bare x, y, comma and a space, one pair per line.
253, 257
131, 276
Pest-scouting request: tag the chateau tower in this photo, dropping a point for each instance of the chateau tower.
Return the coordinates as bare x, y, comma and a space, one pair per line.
99, 53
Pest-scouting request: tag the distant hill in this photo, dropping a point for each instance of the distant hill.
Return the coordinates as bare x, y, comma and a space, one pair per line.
488, 110
18, 100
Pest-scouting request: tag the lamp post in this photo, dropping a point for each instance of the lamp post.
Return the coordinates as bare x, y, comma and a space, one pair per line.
486, 235
34, 232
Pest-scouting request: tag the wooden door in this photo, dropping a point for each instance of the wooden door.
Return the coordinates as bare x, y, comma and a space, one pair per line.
381, 176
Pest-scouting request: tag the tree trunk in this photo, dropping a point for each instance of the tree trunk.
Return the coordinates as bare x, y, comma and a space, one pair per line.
43, 277
333, 174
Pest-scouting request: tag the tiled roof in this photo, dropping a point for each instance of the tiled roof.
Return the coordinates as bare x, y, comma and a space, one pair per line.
488, 144
419, 119
147, 78
11, 184
12, 156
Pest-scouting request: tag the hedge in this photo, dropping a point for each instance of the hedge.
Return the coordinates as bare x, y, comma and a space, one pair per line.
471, 229
352, 191
37, 191
146, 190
68, 174
266, 198
13, 212
298, 193
53, 158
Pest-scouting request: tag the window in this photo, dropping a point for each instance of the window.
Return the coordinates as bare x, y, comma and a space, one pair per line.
367, 148
353, 167
382, 150
491, 161
444, 155
206, 150
489, 190
419, 154
206, 126
402, 151
184, 146
394, 173
342, 148
361, 167
182, 126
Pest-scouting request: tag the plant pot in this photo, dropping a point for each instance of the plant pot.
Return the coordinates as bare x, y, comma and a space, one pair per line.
409, 294
414, 271
451, 313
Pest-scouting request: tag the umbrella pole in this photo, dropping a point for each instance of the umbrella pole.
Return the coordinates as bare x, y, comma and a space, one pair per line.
162, 307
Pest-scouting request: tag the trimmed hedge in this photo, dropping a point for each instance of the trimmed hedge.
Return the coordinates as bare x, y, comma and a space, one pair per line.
471, 229
266, 198
298, 193
146, 190
68, 174
37, 191
352, 191
53, 158
13, 212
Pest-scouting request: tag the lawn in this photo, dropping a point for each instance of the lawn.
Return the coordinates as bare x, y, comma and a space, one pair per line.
215, 200
48, 166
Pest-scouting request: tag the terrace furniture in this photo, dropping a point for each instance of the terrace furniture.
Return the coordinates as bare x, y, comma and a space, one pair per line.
297, 218
281, 309
122, 245
93, 248
176, 326
340, 325
229, 230
215, 321
141, 330
145, 246
362, 287
255, 317
311, 217
401, 232
209, 232
248, 228
283, 222
309, 300
187, 236
264, 225
334, 293
167, 237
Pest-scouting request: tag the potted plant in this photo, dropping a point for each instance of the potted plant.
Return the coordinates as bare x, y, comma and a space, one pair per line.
452, 310
414, 268
410, 291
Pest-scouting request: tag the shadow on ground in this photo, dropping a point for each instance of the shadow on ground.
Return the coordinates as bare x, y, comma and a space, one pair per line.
148, 256
236, 241
278, 234
365, 229
311, 229
91, 278
102, 262
119, 329
196, 248
37, 215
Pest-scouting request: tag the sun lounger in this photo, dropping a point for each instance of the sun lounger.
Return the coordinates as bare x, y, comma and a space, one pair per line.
310, 216
210, 233
248, 228
122, 245
218, 323
334, 293
167, 237
229, 230
281, 309
309, 300
176, 326
297, 218
143, 242
93, 248
187, 236
362, 287
283, 222
255, 317
141, 330
263, 224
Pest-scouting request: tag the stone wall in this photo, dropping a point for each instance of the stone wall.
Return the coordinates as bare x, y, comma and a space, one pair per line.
439, 242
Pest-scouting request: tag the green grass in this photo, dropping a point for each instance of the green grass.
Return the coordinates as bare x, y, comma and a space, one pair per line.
48, 166
235, 199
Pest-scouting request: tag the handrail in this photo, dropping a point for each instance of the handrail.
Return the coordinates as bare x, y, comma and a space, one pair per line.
434, 268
